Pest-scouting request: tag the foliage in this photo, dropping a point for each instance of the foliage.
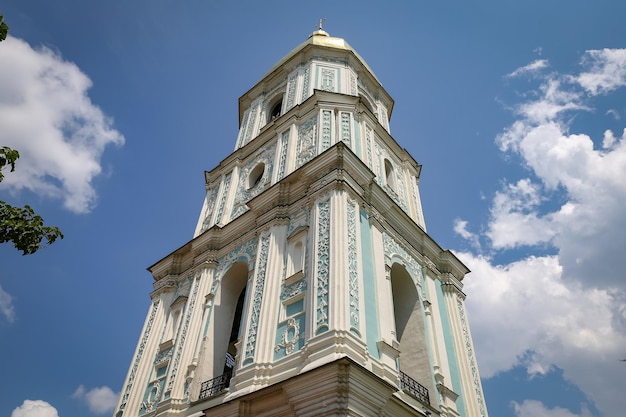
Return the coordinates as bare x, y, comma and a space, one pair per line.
22, 226
4, 29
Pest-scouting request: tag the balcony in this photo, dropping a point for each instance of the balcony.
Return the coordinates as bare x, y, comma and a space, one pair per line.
414, 388
215, 386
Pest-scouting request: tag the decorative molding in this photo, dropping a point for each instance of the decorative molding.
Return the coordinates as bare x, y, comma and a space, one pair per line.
242, 130
289, 291
305, 83
414, 192
353, 275
210, 199
307, 138
254, 109
327, 82
326, 129
163, 356
291, 91
353, 88
282, 160
291, 335
323, 266
245, 251
256, 301
471, 359
346, 131
180, 339
413, 267
225, 189
140, 351
368, 144
243, 193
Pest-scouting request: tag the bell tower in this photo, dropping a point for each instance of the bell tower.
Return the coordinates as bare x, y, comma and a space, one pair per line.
310, 287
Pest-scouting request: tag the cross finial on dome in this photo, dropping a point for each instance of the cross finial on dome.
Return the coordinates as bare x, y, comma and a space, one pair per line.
319, 27
320, 31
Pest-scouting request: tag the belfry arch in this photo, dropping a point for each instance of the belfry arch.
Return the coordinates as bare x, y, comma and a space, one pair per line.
410, 330
227, 313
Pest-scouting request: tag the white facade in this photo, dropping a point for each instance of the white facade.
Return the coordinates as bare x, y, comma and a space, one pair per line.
310, 257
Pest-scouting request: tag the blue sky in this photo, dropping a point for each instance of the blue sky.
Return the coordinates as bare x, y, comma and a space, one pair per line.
515, 109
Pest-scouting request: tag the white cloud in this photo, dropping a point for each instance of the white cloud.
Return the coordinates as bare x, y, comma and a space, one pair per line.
100, 400
6, 306
531, 68
528, 312
607, 70
566, 309
36, 408
45, 113
460, 227
531, 408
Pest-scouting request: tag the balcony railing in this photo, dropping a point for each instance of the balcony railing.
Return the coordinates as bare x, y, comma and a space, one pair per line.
414, 388
215, 386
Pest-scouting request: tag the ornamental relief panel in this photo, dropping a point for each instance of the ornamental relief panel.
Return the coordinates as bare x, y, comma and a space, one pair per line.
246, 191
251, 337
307, 142
323, 265
210, 199
392, 250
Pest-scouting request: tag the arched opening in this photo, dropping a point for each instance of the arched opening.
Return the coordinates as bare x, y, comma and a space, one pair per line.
296, 256
228, 313
410, 331
389, 175
256, 175
275, 108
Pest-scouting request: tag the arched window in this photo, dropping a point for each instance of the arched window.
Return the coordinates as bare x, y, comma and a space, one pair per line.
389, 175
275, 108
256, 175
297, 256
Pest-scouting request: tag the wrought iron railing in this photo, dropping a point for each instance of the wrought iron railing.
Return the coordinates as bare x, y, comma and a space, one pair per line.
215, 386
414, 388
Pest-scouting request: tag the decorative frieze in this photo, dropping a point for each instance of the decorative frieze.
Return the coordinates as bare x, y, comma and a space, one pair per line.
326, 129
140, 350
256, 302
291, 91
182, 335
225, 189
353, 275
211, 195
413, 267
282, 160
346, 130
323, 266
469, 350
305, 83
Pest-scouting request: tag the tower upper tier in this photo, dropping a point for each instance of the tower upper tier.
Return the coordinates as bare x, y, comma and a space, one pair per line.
323, 63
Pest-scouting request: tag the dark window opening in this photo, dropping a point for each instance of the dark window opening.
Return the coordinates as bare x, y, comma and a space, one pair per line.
231, 351
276, 110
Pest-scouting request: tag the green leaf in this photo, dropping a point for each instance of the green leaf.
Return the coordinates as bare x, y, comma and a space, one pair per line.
4, 29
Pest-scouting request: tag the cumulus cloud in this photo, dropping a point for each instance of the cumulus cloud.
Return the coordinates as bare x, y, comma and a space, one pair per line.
531, 408
460, 227
36, 408
607, 70
6, 306
46, 114
565, 306
101, 400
